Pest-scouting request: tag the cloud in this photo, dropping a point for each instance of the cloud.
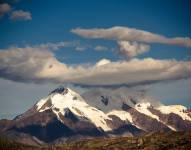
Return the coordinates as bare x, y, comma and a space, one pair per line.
103, 62
23, 64
37, 64
100, 48
132, 49
4, 8
80, 48
20, 15
131, 41
57, 45
131, 34
76, 45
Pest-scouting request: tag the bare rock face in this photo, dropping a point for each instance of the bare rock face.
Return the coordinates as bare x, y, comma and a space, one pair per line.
60, 90
4, 124
147, 123
104, 100
116, 122
125, 107
173, 120
46, 127
79, 125
121, 127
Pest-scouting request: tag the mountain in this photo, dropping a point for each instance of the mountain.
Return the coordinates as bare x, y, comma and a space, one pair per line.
154, 141
64, 115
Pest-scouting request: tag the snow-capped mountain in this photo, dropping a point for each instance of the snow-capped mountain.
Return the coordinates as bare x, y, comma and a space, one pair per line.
66, 115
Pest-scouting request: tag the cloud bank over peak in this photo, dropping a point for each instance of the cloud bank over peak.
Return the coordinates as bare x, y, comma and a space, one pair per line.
131, 41
37, 64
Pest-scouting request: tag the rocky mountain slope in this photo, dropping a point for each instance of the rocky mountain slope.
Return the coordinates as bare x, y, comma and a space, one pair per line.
64, 115
154, 141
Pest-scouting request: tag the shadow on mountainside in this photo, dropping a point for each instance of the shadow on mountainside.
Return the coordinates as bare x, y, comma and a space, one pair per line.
153, 141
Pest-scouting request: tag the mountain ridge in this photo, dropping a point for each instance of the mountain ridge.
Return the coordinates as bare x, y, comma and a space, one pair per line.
65, 115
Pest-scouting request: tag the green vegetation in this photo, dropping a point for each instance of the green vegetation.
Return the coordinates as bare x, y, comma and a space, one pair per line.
155, 141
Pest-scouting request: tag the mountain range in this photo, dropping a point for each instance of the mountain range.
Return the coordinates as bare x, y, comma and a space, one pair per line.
64, 115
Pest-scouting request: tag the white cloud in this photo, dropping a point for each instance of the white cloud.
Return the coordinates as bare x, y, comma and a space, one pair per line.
131, 41
76, 45
132, 49
34, 64
58, 45
102, 62
80, 48
20, 15
130, 34
100, 48
4, 8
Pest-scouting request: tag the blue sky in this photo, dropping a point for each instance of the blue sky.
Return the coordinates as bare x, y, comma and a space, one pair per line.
52, 22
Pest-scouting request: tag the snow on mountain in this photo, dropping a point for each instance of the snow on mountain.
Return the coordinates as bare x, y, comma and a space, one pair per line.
123, 115
176, 109
41, 103
143, 108
137, 100
76, 104
64, 114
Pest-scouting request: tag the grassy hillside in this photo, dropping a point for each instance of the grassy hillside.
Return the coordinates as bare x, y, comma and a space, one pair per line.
155, 141
6, 144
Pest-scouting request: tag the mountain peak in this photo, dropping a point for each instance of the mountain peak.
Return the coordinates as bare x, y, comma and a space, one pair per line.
98, 113
61, 89
59, 98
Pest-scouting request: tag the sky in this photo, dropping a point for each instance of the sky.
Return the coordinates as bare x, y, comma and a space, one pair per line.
95, 43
